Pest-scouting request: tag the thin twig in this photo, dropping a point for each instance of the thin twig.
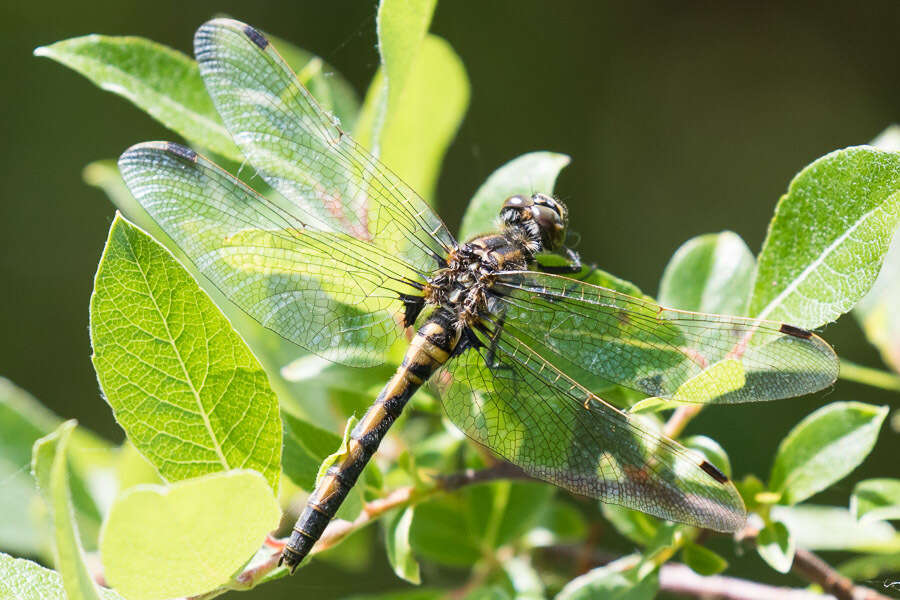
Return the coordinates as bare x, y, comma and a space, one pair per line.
851, 371
813, 569
677, 578
680, 418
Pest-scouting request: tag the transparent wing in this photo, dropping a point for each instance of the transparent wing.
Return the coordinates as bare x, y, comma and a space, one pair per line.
592, 332
302, 152
326, 291
503, 395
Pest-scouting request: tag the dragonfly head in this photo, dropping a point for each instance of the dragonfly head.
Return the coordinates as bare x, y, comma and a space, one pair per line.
541, 214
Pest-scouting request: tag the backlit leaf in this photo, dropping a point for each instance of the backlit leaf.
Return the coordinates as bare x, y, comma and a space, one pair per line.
828, 237
188, 537
182, 384
157, 79
710, 273
776, 546
823, 448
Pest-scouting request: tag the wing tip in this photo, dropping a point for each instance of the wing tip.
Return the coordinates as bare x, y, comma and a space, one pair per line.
255, 36
171, 148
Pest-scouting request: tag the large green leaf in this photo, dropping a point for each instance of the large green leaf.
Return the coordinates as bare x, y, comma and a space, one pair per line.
188, 537
22, 579
828, 237
710, 273
159, 80
49, 466
876, 499
401, 28
525, 175
425, 118
823, 448
833, 528
182, 384
166, 83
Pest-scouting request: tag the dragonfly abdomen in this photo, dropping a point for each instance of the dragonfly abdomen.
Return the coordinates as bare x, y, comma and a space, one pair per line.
429, 349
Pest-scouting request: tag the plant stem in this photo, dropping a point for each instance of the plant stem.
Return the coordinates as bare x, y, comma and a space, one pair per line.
813, 569
851, 371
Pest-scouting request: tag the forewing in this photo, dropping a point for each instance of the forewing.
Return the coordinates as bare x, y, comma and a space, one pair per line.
326, 291
589, 332
302, 152
506, 397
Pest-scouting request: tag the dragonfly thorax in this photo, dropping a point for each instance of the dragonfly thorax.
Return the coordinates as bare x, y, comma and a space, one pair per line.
464, 285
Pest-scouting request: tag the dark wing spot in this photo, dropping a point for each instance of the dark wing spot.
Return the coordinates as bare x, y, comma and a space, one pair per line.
256, 37
795, 331
182, 151
713, 472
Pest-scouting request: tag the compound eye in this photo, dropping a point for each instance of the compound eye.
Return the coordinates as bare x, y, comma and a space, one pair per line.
552, 226
549, 202
516, 201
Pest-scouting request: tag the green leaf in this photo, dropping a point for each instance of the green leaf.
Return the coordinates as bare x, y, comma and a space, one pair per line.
188, 537
182, 384
609, 584
776, 546
828, 237
159, 80
402, 26
832, 528
526, 174
710, 273
49, 466
876, 500
22, 579
823, 448
711, 449
876, 312
305, 447
399, 551
702, 560
424, 120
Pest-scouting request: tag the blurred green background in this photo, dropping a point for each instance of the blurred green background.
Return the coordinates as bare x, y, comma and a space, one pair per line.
681, 119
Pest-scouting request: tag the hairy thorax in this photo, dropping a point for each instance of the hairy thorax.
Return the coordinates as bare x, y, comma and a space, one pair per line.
464, 286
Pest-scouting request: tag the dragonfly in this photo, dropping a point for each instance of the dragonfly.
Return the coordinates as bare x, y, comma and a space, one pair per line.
344, 259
